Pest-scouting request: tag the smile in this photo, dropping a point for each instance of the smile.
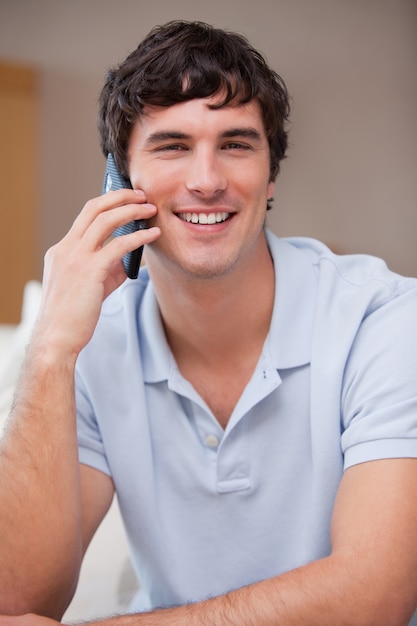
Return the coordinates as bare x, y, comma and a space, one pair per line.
205, 218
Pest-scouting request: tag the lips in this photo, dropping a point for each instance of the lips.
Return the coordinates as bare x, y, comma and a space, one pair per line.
204, 218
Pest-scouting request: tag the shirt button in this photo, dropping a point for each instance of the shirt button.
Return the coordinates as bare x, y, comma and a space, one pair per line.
212, 441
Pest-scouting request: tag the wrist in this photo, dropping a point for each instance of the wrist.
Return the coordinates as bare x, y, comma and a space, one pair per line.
52, 347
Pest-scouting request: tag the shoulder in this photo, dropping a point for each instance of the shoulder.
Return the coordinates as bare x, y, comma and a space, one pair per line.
128, 296
361, 277
120, 318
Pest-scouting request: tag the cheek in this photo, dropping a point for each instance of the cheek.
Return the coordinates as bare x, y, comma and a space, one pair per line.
162, 194
254, 180
156, 186
257, 190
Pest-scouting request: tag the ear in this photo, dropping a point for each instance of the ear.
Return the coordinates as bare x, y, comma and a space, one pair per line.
271, 189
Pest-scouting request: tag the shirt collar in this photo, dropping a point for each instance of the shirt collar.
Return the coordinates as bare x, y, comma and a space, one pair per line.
289, 339
157, 358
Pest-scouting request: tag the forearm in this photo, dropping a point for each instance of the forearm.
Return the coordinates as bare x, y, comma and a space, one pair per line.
39, 488
260, 604
322, 593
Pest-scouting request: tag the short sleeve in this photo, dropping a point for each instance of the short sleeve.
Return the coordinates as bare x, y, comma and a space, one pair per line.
379, 398
90, 445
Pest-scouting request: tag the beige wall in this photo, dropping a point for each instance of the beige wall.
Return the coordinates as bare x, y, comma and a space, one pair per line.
350, 178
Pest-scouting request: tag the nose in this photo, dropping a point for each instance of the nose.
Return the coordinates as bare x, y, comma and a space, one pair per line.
205, 176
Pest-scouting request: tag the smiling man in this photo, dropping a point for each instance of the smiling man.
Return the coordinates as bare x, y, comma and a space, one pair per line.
207, 170
251, 400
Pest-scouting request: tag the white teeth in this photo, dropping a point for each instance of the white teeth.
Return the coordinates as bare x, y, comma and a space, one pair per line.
204, 218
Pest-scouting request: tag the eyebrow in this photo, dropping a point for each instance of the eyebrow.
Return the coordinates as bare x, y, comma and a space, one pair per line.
157, 137
249, 133
165, 135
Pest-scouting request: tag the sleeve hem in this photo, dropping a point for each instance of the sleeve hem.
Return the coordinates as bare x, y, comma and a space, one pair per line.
381, 449
87, 456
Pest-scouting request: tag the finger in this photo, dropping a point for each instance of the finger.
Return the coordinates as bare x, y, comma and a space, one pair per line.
105, 202
115, 249
105, 223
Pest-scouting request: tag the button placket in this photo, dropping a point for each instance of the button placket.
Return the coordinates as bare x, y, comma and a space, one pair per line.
233, 463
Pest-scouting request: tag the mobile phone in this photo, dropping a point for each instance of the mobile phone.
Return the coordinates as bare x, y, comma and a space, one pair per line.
114, 180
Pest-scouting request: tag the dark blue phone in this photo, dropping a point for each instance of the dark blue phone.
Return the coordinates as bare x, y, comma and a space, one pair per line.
114, 180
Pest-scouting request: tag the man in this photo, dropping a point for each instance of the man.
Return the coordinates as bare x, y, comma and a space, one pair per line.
251, 400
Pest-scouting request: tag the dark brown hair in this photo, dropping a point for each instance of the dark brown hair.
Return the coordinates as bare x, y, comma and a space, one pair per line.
184, 60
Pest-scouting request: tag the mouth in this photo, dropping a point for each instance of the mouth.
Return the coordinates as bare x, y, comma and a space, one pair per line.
205, 218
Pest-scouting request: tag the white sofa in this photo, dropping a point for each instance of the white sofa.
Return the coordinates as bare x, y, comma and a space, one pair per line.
107, 582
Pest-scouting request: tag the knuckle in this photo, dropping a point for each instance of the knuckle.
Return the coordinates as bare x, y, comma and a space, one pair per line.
50, 253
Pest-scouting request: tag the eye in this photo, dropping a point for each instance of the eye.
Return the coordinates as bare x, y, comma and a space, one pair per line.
172, 147
236, 145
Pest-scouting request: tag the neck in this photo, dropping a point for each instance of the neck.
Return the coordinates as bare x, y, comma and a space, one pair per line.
209, 318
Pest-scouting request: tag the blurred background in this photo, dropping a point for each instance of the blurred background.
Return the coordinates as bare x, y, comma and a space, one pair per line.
350, 65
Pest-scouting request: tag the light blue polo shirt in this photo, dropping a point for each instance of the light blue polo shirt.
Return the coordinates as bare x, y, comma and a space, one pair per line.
208, 510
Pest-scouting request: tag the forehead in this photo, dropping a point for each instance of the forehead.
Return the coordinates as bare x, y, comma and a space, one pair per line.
198, 116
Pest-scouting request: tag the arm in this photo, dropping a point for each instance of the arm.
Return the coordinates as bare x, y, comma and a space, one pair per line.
370, 578
41, 514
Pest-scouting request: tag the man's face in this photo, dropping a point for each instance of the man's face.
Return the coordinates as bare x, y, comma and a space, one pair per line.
207, 172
